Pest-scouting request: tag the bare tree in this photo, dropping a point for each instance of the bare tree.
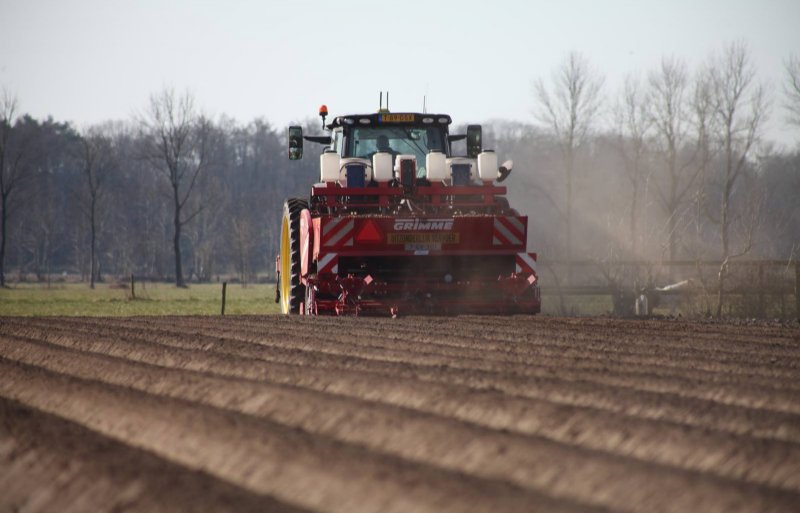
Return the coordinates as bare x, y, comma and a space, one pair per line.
176, 143
704, 125
13, 168
97, 156
633, 124
791, 89
740, 108
569, 107
671, 117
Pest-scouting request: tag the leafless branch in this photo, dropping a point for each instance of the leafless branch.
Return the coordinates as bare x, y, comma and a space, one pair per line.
791, 89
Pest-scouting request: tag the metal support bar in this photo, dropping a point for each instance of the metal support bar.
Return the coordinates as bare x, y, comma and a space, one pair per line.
224, 287
797, 290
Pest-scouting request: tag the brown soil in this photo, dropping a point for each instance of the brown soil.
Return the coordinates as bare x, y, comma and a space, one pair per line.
415, 414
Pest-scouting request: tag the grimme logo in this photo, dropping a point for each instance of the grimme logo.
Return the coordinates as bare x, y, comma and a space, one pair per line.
423, 224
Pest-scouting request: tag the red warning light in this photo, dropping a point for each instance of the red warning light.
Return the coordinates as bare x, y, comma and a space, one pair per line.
369, 232
323, 113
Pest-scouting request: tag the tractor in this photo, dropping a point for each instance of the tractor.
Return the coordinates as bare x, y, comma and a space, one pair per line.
398, 224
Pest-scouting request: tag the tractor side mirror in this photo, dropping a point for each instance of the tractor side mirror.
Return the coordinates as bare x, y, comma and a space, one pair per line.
505, 170
474, 141
295, 142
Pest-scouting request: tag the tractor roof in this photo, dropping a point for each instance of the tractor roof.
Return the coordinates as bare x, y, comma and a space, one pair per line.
391, 118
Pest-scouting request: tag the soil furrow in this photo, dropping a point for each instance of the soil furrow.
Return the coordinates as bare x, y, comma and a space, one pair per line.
469, 413
505, 346
257, 363
524, 460
50, 464
771, 373
770, 338
509, 376
503, 343
264, 457
770, 463
625, 335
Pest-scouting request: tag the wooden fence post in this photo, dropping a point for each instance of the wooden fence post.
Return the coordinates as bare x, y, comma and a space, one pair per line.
224, 287
133, 288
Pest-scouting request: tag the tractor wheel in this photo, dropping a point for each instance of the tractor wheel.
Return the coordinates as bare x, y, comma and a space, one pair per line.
292, 292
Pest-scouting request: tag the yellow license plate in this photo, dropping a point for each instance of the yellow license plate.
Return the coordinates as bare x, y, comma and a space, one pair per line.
423, 238
397, 118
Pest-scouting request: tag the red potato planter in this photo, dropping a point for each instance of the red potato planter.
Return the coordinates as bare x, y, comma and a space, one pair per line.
398, 224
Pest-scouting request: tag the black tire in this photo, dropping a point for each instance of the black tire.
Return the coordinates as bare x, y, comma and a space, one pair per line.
296, 297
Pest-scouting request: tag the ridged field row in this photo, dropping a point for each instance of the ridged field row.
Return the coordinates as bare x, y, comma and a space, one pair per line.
411, 414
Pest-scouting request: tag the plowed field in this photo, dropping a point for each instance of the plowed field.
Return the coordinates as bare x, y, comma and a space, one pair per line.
524, 414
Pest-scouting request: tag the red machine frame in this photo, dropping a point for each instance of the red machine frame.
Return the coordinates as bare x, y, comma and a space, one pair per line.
416, 233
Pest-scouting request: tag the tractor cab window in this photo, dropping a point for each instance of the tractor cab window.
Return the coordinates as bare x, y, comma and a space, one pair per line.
336, 141
364, 142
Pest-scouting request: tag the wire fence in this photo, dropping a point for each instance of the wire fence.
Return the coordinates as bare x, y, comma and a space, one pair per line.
751, 288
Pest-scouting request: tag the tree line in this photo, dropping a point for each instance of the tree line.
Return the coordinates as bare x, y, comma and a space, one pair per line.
672, 165
169, 195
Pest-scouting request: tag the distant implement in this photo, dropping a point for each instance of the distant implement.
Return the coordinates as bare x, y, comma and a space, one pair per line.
398, 224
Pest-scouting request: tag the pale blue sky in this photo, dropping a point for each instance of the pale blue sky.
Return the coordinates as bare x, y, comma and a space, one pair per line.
88, 61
